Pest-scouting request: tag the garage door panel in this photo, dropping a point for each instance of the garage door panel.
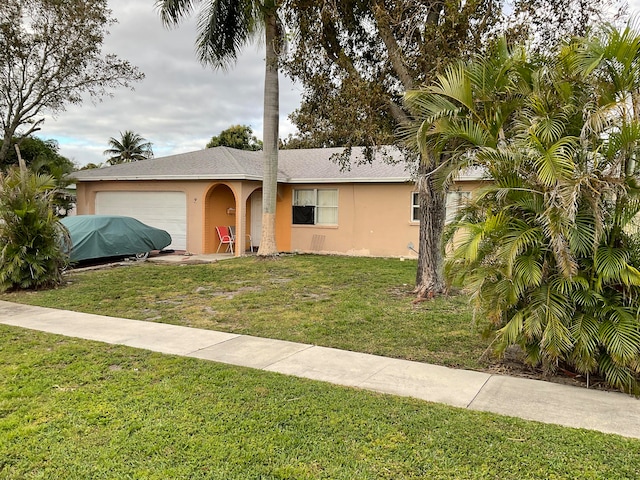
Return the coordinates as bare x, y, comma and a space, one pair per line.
165, 210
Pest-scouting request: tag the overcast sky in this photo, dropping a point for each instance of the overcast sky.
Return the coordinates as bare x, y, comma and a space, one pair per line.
179, 105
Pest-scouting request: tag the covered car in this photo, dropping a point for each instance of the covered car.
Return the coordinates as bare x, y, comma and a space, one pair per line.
102, 236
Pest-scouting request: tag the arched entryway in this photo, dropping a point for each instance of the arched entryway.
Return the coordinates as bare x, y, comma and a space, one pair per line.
219, 210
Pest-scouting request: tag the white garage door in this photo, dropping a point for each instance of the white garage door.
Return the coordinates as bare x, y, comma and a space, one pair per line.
165, 210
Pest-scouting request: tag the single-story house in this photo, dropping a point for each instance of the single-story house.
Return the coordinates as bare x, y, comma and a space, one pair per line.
370, 209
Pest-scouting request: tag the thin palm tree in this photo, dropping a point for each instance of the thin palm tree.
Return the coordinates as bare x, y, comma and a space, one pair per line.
224, 27
131, 147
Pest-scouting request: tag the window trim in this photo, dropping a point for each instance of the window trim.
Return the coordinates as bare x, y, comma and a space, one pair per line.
450, 209
415, 207
316, 206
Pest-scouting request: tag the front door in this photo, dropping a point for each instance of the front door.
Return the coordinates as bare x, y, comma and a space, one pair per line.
256, 217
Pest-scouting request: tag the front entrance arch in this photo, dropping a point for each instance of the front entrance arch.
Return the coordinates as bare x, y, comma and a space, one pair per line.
219, 209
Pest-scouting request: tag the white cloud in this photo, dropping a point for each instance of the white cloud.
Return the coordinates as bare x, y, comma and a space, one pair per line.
179, 105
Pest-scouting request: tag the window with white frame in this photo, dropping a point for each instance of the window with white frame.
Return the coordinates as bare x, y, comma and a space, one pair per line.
415, 207
315, 206
455, 201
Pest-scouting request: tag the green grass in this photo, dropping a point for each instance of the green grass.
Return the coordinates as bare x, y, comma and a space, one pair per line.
74, 409
358, 304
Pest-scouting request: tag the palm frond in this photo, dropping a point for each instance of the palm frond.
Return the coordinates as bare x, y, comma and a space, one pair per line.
519, 237
556, 341
610, 262
511, 332
527, 272
619, 376
455, 85
555, 162
620, 334
173, 11
224, 28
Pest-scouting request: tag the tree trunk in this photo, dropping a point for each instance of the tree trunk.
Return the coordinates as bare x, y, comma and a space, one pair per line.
4, 149
268, 245
429, 277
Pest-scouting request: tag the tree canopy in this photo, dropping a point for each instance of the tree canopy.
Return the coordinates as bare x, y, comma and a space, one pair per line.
40, 155
43, 157
236, 136
355, 60
51, 56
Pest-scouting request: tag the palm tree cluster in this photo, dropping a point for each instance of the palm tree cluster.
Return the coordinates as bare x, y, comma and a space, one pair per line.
549, 251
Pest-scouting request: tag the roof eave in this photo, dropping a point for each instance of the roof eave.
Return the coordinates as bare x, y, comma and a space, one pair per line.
351, 180
114, 178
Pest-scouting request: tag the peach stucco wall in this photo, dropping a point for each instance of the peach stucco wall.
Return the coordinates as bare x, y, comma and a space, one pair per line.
373, 219
207, 204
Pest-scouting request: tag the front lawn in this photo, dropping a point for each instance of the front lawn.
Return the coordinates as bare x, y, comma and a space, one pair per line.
74, 409
358, 304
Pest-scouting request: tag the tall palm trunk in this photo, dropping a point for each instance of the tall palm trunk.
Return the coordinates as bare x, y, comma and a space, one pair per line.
270, 139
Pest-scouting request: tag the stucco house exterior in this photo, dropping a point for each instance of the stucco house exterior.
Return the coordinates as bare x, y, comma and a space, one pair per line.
369, 209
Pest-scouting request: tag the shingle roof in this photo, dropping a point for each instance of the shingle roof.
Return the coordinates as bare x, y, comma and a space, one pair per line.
211, 163
294, 166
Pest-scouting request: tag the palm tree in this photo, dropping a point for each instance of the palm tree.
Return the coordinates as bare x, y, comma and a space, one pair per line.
224, 27
35, 245
130, 148
456, 115
469, 106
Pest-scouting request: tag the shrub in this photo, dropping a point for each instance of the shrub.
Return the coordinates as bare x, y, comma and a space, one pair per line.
34, 243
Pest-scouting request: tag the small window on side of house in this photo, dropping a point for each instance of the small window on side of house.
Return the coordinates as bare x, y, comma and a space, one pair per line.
415, 207
455, 201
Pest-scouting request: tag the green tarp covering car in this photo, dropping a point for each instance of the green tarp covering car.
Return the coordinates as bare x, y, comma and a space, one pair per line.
102, 236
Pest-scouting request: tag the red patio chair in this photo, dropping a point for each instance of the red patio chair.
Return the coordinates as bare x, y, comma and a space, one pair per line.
225, 239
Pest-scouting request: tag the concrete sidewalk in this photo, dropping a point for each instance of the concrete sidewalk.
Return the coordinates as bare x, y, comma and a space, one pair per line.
607, 412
